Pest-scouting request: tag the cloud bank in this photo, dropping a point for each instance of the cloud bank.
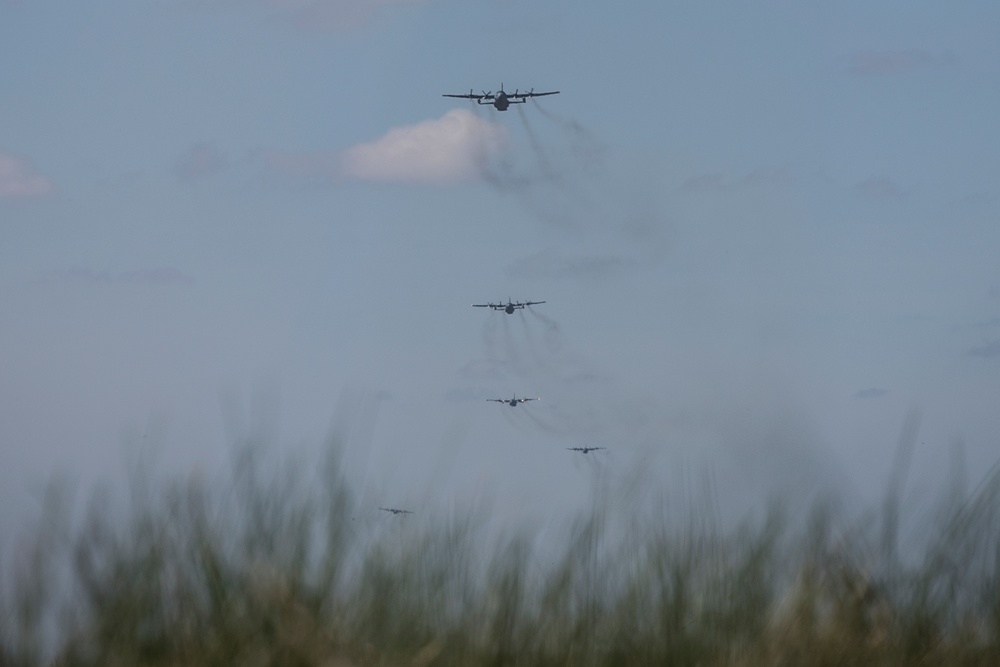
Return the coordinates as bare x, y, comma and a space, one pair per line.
18, 178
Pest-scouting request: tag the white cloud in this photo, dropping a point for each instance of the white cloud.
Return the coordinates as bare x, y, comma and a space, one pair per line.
19, 179
449, 149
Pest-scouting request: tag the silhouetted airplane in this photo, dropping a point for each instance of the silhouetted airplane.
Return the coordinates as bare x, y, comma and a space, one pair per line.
585, 450
508, 307
501, 99
394, 510
512, 402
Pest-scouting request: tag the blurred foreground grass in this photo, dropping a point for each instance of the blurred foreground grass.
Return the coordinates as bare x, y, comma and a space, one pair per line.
271, 568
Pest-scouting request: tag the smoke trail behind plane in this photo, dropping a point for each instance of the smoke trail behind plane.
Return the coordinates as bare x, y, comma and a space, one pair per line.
548, 172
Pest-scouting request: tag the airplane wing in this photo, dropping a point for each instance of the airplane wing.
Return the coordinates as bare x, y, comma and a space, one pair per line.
532, 303
469, 96
496, 400
525, 400
534, 94
482, 305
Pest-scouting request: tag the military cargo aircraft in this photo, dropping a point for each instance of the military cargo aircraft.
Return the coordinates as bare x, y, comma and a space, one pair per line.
501, 99
512, 402
508, 307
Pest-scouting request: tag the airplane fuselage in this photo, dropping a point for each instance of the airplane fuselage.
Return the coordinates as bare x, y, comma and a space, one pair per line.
500, 101
509, 309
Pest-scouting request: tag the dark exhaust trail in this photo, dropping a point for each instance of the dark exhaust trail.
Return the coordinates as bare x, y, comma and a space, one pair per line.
490, 336
512, 354
548, 428
493, 168
508, 417
573, 126
553, 337
538, 360
544, 164
499, 172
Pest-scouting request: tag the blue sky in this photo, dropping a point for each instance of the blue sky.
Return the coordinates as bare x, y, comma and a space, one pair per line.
765, 233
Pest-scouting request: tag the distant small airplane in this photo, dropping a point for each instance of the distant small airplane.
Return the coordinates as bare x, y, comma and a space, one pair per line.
512, 402
508, 307
585, 450
501, 99
393, 510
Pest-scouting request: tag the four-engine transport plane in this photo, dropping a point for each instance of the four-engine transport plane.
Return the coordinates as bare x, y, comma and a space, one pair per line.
501, 99
585, 450
508, 307
512, 402
393, 510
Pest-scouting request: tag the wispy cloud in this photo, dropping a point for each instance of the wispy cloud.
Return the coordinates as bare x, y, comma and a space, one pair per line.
163, 275
771, 176
18, 178
333, 15
879, 187
548, 264
782, 176
441, 151
887, 63
871, 392
985, 324
305, 15
157, 276
482, 370
200, 160
986, 350
713, 182
316, 165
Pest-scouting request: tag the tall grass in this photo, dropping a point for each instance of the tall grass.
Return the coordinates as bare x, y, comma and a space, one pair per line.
272, 568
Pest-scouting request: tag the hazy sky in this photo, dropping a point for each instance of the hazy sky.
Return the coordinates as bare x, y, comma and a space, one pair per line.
765, 232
